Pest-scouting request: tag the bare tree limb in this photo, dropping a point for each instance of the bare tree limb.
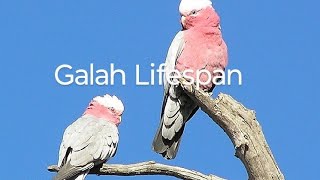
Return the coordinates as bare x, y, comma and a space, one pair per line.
243, 129
147, 168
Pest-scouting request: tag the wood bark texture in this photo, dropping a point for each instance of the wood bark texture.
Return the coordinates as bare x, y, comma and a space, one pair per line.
147, 168
243, 129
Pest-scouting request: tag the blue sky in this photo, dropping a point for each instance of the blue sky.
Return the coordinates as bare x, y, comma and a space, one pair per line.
274, 44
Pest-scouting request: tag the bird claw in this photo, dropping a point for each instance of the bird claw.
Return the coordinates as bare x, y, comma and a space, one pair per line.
208, 94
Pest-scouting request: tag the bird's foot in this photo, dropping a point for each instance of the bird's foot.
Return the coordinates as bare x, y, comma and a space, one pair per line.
208, 94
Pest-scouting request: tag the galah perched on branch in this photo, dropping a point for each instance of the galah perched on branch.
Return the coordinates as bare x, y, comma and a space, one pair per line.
91, 140
198, 46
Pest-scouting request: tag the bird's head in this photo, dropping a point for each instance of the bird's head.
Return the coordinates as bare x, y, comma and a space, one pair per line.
198, 13
106, 107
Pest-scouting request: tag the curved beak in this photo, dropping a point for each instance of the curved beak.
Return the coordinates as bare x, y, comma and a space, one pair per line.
183, 21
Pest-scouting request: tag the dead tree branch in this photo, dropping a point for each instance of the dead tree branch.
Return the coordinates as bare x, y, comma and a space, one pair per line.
243, 129
147, 168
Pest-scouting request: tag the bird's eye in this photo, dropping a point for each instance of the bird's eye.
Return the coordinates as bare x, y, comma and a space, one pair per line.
193, 12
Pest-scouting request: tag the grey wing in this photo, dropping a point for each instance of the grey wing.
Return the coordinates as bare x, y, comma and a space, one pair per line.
175, 50
176, 111
68, 137
86, 143
177, 107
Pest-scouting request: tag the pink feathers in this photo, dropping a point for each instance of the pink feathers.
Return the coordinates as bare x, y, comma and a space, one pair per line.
204, 47
107, 108
203, 18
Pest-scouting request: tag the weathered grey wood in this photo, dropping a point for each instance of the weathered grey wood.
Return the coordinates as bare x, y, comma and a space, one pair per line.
147, 168
243, 129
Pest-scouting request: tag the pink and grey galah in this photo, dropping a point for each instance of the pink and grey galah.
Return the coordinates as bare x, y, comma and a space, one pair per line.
198, 46
91, 140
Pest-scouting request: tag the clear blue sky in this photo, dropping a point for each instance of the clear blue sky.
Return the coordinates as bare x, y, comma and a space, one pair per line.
274, 43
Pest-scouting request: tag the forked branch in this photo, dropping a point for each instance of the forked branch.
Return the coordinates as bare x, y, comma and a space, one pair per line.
243, 129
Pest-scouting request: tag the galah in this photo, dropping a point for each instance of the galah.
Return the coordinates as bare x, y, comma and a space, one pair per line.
198, 46
91, 140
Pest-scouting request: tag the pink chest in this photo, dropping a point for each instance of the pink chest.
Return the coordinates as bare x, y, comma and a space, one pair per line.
204, 49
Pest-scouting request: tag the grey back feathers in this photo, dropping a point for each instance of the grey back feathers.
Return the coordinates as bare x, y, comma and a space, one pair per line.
87, 142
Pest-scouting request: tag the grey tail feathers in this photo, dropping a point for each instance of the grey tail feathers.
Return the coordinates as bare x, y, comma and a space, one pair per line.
167, 148
69, 172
